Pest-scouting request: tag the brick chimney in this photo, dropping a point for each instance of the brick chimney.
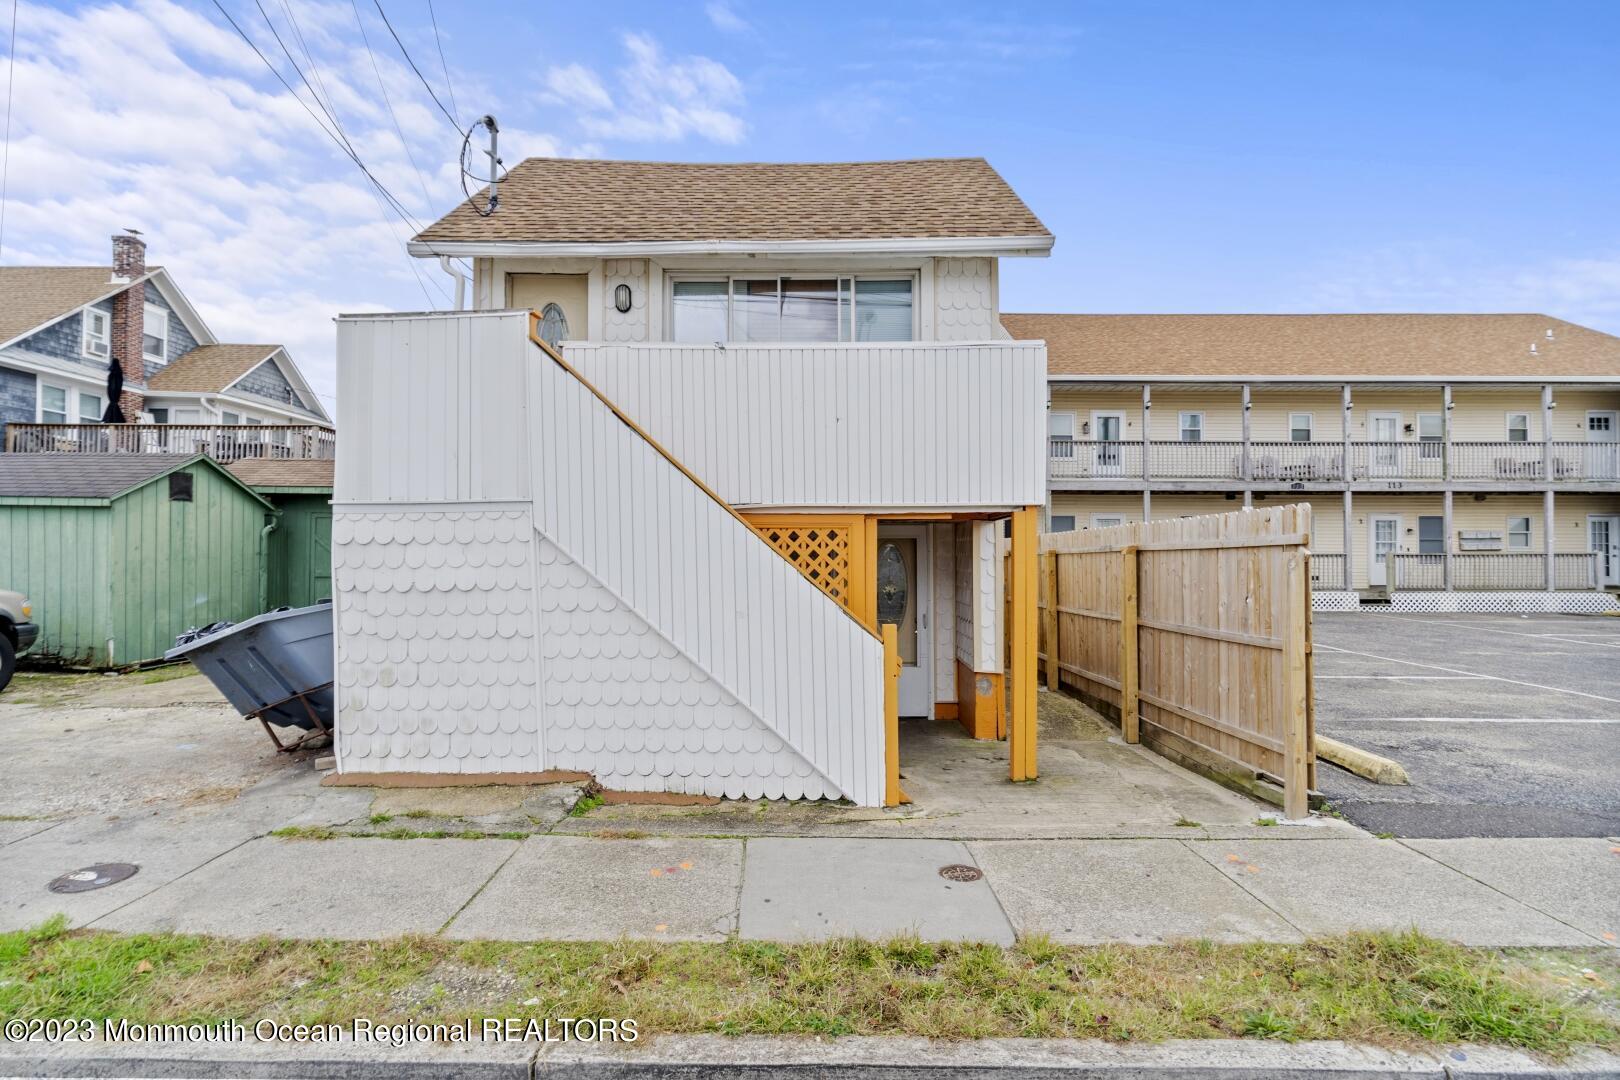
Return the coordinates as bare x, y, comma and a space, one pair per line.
129, 322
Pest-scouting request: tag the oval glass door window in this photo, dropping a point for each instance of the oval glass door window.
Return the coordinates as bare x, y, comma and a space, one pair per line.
897, 592
553, 324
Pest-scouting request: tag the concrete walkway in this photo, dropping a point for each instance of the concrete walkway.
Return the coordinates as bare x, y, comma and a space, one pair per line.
216, 871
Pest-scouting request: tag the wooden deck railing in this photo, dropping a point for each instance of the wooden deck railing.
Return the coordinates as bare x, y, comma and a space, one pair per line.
1511, 571
223, 442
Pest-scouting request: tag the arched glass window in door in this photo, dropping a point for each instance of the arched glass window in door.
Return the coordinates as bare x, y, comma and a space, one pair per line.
553, 324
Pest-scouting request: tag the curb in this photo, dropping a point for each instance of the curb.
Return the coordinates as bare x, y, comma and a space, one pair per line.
747, 1058
1364, 763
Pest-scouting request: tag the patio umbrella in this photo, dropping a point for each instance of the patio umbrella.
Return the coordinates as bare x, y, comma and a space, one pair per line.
115, 389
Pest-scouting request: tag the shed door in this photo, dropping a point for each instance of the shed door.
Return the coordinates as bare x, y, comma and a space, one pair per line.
320, 571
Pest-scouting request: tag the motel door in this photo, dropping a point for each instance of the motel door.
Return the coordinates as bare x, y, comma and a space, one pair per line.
1603, 530
1108, 427
904, 586
1385, 435
1384, 540
1603, 446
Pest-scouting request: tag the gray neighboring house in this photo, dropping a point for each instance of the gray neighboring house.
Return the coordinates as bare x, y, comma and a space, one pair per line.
62, 326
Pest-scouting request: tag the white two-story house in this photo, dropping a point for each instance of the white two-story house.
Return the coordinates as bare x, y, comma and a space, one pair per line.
739, 372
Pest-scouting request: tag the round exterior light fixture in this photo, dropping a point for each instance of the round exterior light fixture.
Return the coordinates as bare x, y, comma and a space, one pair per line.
621, 298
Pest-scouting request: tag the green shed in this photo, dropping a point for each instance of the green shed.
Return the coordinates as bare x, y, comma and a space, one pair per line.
301, 546
121, 552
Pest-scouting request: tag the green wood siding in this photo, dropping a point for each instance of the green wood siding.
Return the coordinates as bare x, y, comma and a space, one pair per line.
57, 556
301, 550
176, 565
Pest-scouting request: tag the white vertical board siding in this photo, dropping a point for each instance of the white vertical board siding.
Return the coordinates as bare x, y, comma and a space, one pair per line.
986, 572
703, 581
431, 409
913, 424
435, 641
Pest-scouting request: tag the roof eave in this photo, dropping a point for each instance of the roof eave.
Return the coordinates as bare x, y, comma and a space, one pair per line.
1001, 246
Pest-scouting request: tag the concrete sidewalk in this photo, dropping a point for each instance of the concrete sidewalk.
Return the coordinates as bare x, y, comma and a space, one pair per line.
216, 871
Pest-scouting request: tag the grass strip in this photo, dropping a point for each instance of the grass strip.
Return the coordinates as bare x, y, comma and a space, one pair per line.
1402, 990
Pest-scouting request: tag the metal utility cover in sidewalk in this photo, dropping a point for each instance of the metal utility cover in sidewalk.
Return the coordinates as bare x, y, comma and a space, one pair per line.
809, 889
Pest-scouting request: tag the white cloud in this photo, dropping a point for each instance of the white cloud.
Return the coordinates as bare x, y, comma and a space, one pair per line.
724, 18
656, 98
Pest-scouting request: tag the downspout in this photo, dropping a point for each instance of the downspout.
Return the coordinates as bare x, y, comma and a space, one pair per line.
461, 281
264, 559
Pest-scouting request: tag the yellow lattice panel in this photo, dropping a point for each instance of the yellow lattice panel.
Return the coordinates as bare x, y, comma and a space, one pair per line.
830, 551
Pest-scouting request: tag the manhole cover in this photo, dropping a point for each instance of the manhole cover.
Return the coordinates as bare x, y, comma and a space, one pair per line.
94, 877
958, 872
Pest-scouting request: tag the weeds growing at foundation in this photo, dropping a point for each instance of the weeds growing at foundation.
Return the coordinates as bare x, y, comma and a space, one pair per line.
1390, 989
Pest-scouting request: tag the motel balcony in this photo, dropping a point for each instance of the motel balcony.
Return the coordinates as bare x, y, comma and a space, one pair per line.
222, 442
1494, 571
1091, 464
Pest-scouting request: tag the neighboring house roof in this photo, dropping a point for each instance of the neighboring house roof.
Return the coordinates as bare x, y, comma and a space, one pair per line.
87, 476
210, 368
272, 473
1319, 346
569, 201
31, 296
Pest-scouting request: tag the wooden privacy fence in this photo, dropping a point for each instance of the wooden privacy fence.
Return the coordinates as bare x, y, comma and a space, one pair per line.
1198, 628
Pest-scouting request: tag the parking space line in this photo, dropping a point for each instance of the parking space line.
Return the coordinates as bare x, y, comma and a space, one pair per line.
1477, 720
1460, 671
1408, 678
1495, 630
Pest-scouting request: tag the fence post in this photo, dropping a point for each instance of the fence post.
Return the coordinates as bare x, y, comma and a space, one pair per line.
1129, 723
1296, 713
1049, 617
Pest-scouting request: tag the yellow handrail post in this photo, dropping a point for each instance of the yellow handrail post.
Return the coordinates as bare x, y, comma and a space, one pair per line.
892, 795
1024, 623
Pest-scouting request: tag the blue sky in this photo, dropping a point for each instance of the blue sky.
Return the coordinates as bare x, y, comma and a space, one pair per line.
1189, 156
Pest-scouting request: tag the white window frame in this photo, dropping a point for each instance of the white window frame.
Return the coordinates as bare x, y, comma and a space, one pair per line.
79, 397
1106, 521
1430, 448
1310, 426
87, 338
1072, 519
671, 279
1507, 431
147, 317
67, 411
1528, 532
1182, 428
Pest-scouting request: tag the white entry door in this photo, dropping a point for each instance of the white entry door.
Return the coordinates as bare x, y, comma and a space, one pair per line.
904, 599
1383, 540
1603, 449
1107, 429
1603, 532
1384, 432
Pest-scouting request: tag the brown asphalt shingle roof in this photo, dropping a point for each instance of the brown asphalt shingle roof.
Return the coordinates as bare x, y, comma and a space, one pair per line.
210, 369
566, 200
1229, 346
268, 472
31, 296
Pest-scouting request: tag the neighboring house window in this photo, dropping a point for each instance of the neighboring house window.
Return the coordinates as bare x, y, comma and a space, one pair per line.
229, 418
97, 333
1518, 533
553, 324
159, 416
89, 408
1431, 535
1062, 523
155, 337
1431, 433
1518, 427
1299, 427
822, 308
1192, 427
53, 404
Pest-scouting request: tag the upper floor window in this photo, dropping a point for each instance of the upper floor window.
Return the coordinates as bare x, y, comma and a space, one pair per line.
97, 333
155, 336
1192, 427
1060, 434
1430, 432
1518, 427
89, 408
1299, 427
53, 404
792, 309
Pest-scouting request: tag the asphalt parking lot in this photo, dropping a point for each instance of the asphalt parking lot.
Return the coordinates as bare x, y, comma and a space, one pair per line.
1509, 725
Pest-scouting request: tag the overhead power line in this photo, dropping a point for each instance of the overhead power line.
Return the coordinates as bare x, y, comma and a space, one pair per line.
449, 86
448, 115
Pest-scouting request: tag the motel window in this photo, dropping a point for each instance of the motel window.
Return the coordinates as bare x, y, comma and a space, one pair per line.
827, 309
1518, 427
1061, 523
1518, 533
97, 333
89, 408
1192, 427
1299, 427
1431, 433
1431, 535
155, 336
1106, 521
1060, 434
53, 404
